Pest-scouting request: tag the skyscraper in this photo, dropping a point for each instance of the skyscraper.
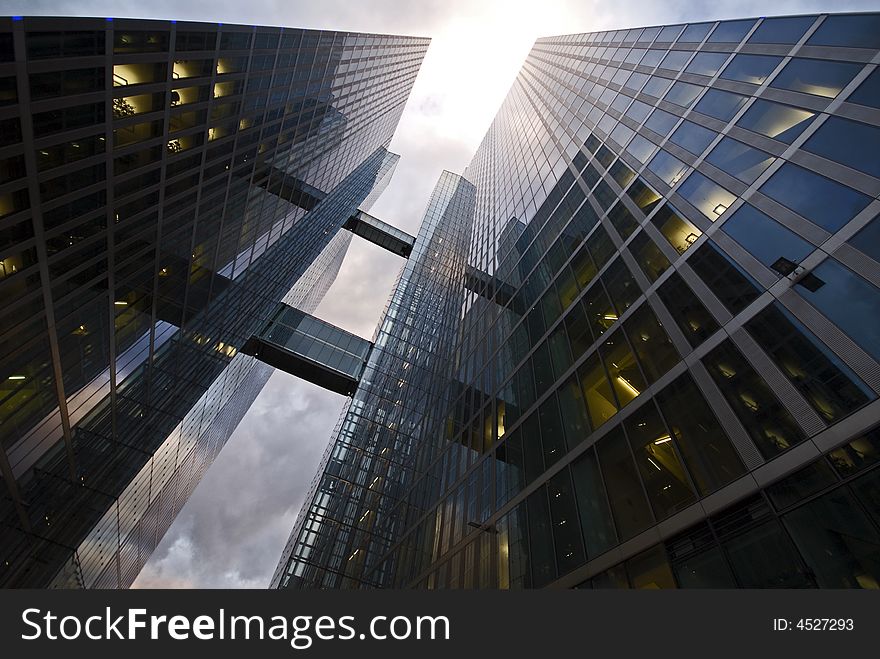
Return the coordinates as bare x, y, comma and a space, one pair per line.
663, 365
165, 186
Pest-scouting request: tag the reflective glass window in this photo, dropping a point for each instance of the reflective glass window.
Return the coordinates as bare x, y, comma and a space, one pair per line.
706, 195
597, 525
853, 31
564, 516
623, 370
728, 281
731, 31
623, 220
692, 137
720, 104
850, 143
597, 391
817, 77
868, 93
667, 167
695, 33
677, 229
753, 69
675, 60
649, 257
683, 94
786, 30
781, 122
656, 86
764, 237
661, 122
707, 64
649, 340
868, 239
625, 494
740, 161
695, 322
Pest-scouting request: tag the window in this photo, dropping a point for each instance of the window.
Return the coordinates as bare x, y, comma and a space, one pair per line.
666, 480
850, 143
720, 104
641, 148
652, 346
764, 557
596, 523
650, 259
620, 285
769, 424
574, 411
540, 539
625, 494
857, 455
738, 160
781, 122
42, 45
623, 371
868, 239
652, 58
697, 560
764, 238
656, 86
710, 458
680, 232
731, 31
692, 137
862, 31
675, 60
848, 301
817, 77
683, 93
623, 220
66, 83
667, 167
868, 93
643, 196
754, 69
707, 196
661, 122
695, 33
695, 321
564, 516
827, 384
821, 200
706, 64
782, 30
650, 570
728, 281
597, 391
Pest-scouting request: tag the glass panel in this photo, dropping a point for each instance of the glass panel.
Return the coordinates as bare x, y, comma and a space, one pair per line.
731, 31
649, 257
661, 122
623, 220
764, 557
739, 160
801, 484
680, 233
817, 77
720, 104
683, 94
855, 31
597, 391
625, 494
849, 301
666, 480
781, 122
753, 69
540, 539
706, 195
575, 420
596, 523
651, 344
695, 33
692, 137
726, 279
667, 167
850, 143
827, 384
707, 64
552, 434
650, 570
695, 321
656, 86
698, 561
710, 458
857, 455
599, 310
624, 373
564, 516
620, 285
767, 421
868, 93
765, 238
819, 199
675, 60
782, 30
868, 239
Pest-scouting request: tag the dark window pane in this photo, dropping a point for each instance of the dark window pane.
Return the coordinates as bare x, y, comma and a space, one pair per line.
849, 301
597, 391
837, 541
596, 523
850, 143
707, 451
623, 220
564, 516
728, 281
857, 455
861, 31
574, 411
680, 232
540, 539
782, 30
706, 64
737, 159
697, 560
692, 137
819, 199
827, 384
623, 371
868, 239
818, 77
620, 285
720, 104
803, 483
695, 321
625, 494
649, 257
781, 122
652, 346
650, 570
552, 433
868, 93
764, 237
764, 557
768, 423
753, 69
731, 31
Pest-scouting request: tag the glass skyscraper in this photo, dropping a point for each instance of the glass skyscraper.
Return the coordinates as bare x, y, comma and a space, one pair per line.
163, 187
656, 360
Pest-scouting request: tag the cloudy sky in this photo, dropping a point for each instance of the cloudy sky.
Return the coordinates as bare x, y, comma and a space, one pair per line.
231, 532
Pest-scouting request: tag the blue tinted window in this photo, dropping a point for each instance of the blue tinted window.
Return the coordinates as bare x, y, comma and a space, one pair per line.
669, 33
781, 122
706, 64
707, 196
782, 30
850, 143
692, 137
720, 104
656, 86
817, 77
661, 122
751, 68
724, 277
820, 200
868, 93
731, 31
638, 111
862, 31
652, 58
683, 93
765, 238
695, 33
667, 167
849, 301
868, 239
675, 60
739, 160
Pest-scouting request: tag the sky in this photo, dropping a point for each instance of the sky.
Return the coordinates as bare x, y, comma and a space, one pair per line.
231, 532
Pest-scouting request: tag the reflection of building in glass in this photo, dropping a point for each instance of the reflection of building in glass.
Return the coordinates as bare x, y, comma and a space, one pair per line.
164, 187
665, 372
